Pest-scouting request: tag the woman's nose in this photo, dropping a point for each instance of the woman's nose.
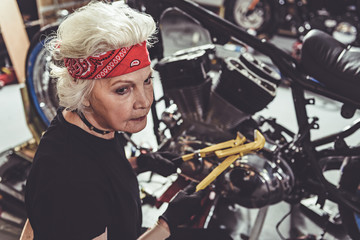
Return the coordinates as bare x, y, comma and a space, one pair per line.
143, 99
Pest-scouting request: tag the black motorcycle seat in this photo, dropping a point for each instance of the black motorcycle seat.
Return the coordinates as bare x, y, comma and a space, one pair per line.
333, 64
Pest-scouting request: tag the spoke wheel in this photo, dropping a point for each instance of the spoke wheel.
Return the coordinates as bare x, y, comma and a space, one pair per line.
262, 19
40, 86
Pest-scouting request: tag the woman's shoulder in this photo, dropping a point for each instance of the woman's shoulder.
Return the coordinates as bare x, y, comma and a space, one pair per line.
56, 168
65, 157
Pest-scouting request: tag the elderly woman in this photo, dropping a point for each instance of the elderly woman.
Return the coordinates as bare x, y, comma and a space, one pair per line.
81, 186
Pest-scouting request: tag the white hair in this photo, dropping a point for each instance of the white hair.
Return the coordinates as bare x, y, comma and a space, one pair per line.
95, 28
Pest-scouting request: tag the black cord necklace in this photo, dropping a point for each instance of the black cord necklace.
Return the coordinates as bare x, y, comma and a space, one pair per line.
90, 126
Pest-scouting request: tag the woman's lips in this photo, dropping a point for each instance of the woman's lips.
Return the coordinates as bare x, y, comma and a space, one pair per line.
139, 119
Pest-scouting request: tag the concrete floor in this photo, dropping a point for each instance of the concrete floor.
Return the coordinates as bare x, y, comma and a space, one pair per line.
14, 132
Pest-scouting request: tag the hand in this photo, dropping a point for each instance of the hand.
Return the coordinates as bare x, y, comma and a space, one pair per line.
159, 162
185, 204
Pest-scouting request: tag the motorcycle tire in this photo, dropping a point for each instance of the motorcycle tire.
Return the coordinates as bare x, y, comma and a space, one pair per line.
40, 86
350, 181
264, 19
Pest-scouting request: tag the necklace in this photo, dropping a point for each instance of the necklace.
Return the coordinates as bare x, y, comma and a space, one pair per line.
90, 126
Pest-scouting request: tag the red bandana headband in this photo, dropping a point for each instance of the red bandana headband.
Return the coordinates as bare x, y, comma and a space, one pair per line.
109, 64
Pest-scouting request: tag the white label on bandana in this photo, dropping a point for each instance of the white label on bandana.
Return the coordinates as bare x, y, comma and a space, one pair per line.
134, 63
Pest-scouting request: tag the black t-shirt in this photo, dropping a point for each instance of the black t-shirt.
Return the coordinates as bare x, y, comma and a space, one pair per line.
79, 185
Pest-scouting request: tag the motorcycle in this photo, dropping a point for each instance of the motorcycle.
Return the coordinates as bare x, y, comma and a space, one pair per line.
296, 18
203, 109
292, 157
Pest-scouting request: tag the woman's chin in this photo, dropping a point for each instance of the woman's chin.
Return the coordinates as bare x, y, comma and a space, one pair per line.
136, 126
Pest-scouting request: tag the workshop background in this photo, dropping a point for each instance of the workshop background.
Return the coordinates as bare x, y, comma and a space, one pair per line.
22, 19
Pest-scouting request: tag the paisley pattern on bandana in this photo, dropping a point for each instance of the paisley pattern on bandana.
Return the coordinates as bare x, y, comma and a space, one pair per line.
109, 64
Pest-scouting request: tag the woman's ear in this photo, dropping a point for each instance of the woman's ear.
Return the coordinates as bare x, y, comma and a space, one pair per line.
86, 103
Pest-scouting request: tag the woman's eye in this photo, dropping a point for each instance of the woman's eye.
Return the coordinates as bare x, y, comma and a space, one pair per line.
122, 91
148, 80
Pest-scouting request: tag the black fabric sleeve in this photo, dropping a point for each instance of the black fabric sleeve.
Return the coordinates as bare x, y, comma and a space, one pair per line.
70, 211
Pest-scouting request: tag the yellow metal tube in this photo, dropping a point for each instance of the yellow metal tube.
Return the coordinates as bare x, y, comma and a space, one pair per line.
240, 139
232, 154
216, 172
244, 149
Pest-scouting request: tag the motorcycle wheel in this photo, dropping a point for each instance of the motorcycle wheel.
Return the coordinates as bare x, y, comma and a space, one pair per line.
40, 86
263, 19
350, 181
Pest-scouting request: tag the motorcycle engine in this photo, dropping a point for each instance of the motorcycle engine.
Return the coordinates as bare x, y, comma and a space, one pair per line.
185, 80
255, 182
211, 105
220, 99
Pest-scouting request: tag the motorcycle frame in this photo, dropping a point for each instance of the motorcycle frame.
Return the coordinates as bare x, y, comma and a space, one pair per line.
222, 31
303, 143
